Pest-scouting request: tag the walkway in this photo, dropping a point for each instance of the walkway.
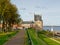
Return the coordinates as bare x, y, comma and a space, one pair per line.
18, 39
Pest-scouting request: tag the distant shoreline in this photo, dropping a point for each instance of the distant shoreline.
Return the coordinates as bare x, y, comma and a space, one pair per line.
55, 28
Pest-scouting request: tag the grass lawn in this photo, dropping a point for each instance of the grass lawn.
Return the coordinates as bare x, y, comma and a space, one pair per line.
34, 38
41, 40
5, 36
58, 39
47, 40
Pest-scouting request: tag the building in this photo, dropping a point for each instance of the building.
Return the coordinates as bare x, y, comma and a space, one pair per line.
37, 23
37, 17
27, 24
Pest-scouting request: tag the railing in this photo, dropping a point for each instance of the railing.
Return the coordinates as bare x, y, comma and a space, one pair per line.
29, 38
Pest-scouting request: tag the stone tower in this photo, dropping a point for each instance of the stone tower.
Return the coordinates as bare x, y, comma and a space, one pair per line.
38, 22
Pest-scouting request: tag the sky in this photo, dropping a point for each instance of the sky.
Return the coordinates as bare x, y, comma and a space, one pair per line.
48, 9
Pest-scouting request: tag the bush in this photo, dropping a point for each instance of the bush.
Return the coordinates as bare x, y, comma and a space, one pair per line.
47, 33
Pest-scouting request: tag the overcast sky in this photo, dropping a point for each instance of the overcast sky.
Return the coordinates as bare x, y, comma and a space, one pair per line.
49, 9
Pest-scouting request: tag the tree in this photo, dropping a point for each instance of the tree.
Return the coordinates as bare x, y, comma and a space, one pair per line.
8, 13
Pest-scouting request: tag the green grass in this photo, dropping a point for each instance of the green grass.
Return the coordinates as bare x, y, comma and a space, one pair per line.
34, 38
58, 39
6, 36
41, 39
47, 40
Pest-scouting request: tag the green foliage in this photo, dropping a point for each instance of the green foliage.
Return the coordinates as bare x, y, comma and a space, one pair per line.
42, 32
8, 13
47, 33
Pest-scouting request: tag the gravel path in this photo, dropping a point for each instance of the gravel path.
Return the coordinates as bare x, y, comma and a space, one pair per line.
18, 39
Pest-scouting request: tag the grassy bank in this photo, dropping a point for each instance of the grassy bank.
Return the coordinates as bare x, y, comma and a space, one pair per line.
6, 36
41, 38
34, 38
47, 40
58, 39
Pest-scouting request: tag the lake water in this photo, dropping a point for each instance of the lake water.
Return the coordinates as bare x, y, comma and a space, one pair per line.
55, 28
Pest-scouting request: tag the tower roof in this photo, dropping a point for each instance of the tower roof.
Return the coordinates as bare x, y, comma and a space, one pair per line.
37, 17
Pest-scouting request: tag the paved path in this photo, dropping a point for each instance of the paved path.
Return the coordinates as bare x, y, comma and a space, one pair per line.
19, 39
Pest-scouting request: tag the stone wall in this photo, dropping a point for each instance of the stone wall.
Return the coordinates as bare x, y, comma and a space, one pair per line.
39, 25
